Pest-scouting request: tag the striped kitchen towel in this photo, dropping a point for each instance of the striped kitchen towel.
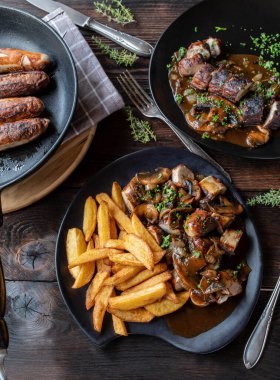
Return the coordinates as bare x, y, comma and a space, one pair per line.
97, 97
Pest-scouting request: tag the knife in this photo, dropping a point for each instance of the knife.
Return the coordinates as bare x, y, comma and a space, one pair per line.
134, 44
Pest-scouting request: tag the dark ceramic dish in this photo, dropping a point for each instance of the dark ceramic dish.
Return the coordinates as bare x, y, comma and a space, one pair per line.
122, 171
21, 30
242, 19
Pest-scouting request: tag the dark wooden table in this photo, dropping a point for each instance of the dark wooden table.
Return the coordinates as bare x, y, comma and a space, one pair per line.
45, 343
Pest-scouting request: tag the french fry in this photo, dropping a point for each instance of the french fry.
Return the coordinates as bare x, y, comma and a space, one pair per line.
115, 243
138, 299
91, 255
75, 246
119, 326
101, 303
86, 272
139, 315
122, 234
170, 293
162, 277
103, 224
117, 196
113, 229
90, 216
142, 276
158, 255
140, 249
122, 275
116, 212
94, 288
165, 306
96, 241
141, 231
102, 266
125, 259
116, 267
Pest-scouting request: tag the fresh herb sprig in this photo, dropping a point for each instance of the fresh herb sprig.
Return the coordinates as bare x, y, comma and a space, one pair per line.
141, 130
220, 29
166, 240
115, 11
121, 57
269, 198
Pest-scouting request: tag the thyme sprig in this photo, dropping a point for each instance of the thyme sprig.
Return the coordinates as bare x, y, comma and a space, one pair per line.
121, 57
141, 130
269, 198
115, 11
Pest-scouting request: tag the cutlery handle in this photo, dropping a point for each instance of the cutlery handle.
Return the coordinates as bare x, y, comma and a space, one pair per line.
255, 345
2, 370
134, 44
194, 148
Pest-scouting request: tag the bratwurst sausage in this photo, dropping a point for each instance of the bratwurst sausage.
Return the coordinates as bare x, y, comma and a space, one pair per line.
13, 109
22, 60
21, 132
23, 83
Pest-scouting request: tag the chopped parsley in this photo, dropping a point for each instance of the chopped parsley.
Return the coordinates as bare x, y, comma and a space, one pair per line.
179, 98
181, 53
220, 28
215, 118
166, 240
205, 136
243, 44
196, 254
196, 29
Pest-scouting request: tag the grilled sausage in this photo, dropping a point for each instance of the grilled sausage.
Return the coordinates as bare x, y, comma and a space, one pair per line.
21, 132
13, 109
22, 60
24, 83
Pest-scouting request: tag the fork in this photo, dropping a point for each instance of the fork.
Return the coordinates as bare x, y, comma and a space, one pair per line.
148, 108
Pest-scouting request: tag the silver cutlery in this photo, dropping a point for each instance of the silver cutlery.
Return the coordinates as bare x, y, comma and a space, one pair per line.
256, 343
134, 44
148, 108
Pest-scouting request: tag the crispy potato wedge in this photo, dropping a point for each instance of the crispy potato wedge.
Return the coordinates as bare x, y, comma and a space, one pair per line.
86, 272
139, 315
91, 255
113, 229
141, 231
122, 275
103, 224
101, 303
117, 196
90, 217
117, 267
125, 259
94, 288
158, 255
142, 276
115, 243
138, 299
140, 249
165, 306
96, 241
122, 234
119, 326
122, 219
170, 293
102, 266
162, 277
75, 246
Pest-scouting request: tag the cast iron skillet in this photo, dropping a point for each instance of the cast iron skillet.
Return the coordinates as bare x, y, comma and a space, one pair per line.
242, 19
23, 31
122, 171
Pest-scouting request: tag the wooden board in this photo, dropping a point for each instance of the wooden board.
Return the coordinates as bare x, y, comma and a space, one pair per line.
49, 176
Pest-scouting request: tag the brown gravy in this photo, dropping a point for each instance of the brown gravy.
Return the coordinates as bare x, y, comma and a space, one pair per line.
250, 67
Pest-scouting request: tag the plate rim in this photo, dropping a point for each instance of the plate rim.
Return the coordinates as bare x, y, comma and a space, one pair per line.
75, 93
167, 339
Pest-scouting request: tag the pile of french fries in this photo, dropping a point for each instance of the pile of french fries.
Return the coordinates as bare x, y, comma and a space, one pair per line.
123, 263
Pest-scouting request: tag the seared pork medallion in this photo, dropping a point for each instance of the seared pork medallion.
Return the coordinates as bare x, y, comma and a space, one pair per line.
198, 224
231, 98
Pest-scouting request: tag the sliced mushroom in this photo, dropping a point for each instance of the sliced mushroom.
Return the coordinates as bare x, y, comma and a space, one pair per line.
147, 211
164, 223
132, 194
177, 215
231, 282
158, 177
258, 137
199, 223
199, 299
156, 232
180, 174
176, 282
230, 239
212, 186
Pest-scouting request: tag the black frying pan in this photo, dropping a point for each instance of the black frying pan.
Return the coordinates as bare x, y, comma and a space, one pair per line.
242, 19
23, 31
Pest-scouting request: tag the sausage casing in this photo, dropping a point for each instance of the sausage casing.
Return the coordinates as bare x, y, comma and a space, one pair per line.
22, 60
21, 132
13, 109
23, 83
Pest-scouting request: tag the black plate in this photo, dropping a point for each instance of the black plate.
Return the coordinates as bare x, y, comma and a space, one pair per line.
123, 170
21, 30
242, 19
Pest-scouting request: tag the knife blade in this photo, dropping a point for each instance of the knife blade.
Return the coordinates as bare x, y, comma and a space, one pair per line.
134, 44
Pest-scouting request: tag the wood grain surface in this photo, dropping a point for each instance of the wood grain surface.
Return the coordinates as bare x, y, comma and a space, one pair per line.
45, 342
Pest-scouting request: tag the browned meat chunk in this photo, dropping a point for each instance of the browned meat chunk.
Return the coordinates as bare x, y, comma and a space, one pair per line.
273, 118
189, 66
199, 47
212, 186
252, 110
199, 223
219, 77
236, 87
215, 46
230, 239
258, 137
231, 282
202, 77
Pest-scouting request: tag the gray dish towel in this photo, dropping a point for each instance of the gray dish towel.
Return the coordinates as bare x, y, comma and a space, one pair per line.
97, 97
